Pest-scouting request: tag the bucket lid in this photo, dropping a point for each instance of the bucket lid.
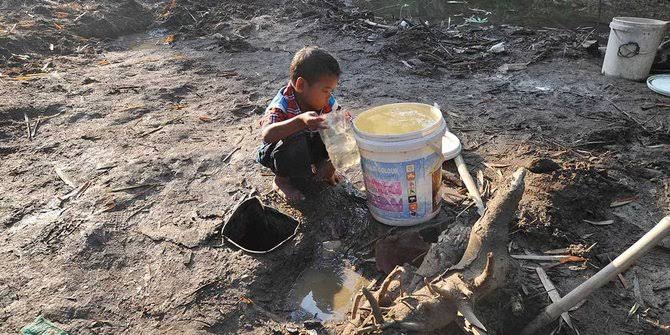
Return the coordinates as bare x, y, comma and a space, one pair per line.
639, 23
451, 146
660, 84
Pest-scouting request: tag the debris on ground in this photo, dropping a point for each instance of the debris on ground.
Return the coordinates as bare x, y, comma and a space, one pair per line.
128, 133
42, 326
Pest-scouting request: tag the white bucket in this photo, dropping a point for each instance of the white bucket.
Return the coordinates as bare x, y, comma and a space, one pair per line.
403, 173
632, 46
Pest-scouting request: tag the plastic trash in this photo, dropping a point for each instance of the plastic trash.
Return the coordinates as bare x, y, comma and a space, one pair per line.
42, 326
498, 48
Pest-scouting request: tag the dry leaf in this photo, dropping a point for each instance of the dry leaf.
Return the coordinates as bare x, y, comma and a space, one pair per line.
108, 205
61, 15
178, 106
600, 223
246, 300
499, 165
103, 62
624, 201
205, 118
58, 26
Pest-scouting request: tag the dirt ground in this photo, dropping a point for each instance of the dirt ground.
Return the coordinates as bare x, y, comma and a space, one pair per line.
149, 112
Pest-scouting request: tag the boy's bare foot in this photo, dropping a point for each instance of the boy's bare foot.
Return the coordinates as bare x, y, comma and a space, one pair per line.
326, 172
284, 187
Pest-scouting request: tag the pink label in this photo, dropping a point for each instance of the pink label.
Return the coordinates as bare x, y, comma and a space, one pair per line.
385, 195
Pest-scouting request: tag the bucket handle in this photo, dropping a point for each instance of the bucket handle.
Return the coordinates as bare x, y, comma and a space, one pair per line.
627, 53
629, 50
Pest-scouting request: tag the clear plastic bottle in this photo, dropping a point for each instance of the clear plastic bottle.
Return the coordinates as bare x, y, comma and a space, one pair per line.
340, 142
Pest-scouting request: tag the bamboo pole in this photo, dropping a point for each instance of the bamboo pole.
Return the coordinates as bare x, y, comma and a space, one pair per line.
602, 277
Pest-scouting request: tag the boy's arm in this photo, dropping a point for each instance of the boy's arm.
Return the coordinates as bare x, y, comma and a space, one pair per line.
278, 131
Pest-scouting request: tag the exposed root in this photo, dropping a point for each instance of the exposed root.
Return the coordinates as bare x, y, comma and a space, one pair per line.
376, 312
482, 278
453, 293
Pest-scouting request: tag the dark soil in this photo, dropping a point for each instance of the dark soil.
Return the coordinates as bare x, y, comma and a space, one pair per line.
151, 109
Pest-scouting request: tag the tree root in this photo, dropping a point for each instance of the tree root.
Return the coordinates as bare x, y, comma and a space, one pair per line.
451, 295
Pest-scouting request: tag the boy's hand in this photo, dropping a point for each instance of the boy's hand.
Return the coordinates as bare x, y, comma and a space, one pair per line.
312, 120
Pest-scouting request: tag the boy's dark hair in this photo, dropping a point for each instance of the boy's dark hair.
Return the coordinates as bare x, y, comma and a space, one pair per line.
312, 63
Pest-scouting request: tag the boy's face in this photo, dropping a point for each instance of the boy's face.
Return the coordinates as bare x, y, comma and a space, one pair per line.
315, 95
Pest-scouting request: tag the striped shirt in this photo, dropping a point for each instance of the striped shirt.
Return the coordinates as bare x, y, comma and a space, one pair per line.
284, 106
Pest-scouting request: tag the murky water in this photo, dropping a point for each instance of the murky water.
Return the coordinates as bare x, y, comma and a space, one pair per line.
533, 13
150, 40
325, 294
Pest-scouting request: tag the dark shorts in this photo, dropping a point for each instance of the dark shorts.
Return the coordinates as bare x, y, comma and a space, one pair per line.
293, 156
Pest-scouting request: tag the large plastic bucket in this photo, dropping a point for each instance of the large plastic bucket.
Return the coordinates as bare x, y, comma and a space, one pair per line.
632, 46
403, 173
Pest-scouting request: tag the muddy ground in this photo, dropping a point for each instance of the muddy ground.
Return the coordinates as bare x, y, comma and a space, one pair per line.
149, 112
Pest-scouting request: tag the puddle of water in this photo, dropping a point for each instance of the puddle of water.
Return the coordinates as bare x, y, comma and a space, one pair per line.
324, 294
532, 13
150, 40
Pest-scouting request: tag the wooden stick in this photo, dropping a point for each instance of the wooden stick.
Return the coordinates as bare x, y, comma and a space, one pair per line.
225, 159
602, 277
149, 132
540, 257
121, 189
37, 124
470, 184
52, 116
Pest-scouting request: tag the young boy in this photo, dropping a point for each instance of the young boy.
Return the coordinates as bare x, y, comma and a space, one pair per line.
292, 147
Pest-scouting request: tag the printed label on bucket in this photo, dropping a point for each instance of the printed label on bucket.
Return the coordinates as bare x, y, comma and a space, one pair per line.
403, 190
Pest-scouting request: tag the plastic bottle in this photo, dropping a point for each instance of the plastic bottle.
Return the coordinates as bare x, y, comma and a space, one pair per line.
340, 142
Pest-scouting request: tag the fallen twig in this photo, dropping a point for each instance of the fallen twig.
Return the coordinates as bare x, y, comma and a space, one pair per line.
133, 214
149, 132
378, 25
37, 124
225, 159
30, 134
630, 117
52, 116
77, 192
542, 257
127, 188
